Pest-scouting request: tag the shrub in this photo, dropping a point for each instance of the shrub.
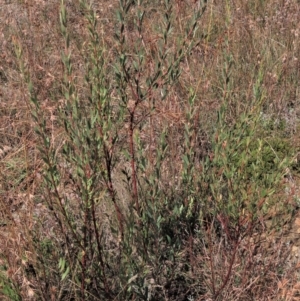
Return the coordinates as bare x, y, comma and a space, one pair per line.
144, 193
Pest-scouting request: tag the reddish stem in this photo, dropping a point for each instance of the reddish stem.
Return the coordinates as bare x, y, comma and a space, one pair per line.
134, 180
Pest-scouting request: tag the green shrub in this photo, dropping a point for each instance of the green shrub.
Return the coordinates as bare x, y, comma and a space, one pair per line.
135, 211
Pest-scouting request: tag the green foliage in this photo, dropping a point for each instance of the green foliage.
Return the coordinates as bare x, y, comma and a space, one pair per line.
245, 168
